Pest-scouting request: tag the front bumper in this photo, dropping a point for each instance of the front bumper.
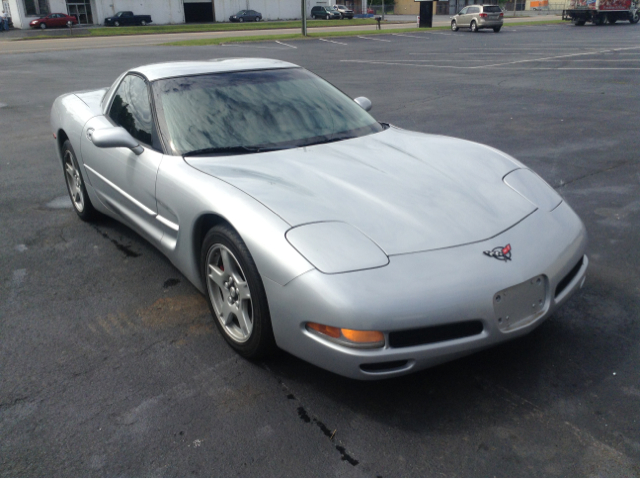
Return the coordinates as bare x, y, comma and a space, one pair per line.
418, 290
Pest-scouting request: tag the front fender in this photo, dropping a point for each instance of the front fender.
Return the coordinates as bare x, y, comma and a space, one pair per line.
185, 194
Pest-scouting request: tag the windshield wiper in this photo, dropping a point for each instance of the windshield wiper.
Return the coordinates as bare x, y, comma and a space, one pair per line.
328, 140
231, 150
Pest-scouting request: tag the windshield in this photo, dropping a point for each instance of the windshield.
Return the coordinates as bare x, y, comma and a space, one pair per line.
250, 111
492, 9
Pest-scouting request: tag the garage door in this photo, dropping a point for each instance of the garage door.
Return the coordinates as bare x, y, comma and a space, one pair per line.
198, 11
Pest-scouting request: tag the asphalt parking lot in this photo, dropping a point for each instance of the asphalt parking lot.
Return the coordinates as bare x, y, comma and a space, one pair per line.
110, 364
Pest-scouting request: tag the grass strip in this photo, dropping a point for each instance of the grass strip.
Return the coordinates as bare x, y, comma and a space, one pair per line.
224, 27
296, 36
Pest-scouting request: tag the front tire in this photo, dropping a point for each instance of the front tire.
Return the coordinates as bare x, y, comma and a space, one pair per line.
241, 20
75, 184
579, 23
474, 27
116, 23
235, 293
635, 17
454, 26
43, 26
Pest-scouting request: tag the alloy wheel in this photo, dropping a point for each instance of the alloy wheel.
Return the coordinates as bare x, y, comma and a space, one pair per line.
74, 181
229, 293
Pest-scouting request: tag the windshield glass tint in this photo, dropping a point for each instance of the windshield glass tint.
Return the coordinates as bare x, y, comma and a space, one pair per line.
271, 109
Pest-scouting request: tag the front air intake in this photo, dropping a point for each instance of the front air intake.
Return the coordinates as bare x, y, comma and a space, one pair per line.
435, 334
569, 277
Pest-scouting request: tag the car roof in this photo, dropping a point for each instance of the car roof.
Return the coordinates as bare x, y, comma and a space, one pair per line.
158, 71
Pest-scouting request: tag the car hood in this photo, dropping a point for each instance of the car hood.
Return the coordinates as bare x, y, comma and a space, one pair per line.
406, 191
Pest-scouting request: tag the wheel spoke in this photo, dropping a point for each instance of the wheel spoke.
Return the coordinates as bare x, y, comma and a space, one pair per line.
245, 325
228, 262
244, 293
217, 276
70, 170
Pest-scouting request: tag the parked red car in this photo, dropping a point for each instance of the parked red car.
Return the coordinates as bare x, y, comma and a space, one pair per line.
53, 20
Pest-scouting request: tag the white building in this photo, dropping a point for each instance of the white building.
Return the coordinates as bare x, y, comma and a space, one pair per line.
93, 12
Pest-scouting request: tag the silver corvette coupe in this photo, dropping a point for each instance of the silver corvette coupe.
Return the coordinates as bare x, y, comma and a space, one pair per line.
360, 247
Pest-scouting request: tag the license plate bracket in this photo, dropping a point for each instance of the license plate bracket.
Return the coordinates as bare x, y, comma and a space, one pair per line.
519, 305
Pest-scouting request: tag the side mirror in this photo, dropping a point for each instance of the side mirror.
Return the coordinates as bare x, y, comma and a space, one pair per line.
116, 137
364, 103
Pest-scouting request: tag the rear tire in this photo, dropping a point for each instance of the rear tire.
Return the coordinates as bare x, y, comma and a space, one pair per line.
635, 17
235, 293
454, 26
75, 184
579, 23
143, 23
474, 27
496, 29
598, 20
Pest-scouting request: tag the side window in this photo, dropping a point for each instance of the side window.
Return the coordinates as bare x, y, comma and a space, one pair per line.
464, 11
131, 109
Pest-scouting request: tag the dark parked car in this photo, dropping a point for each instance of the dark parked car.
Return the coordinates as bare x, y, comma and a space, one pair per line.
53, 20
344, 11
127, 18
246, 16
327, 13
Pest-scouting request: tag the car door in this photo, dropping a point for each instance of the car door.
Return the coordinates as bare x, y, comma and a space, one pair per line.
125, 181
462, 15
472, 14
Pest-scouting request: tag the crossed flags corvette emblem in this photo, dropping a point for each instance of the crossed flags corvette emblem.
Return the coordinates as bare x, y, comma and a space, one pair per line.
500, 253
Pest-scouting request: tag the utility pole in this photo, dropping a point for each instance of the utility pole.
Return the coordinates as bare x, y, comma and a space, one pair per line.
383, 10
304, 18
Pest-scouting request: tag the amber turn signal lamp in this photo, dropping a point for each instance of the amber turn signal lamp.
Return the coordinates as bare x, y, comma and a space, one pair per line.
349, 337
363, 336
328, 330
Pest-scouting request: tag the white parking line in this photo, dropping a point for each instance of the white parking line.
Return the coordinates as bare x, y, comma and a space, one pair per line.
332, 41
479, 67
285, 44
376, 39
554, 58
408, 36
248, 45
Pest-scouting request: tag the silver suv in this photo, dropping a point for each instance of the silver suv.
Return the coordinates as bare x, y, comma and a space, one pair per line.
477, 17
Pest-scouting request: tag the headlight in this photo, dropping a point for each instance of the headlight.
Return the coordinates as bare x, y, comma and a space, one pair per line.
535, 189
334, 247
